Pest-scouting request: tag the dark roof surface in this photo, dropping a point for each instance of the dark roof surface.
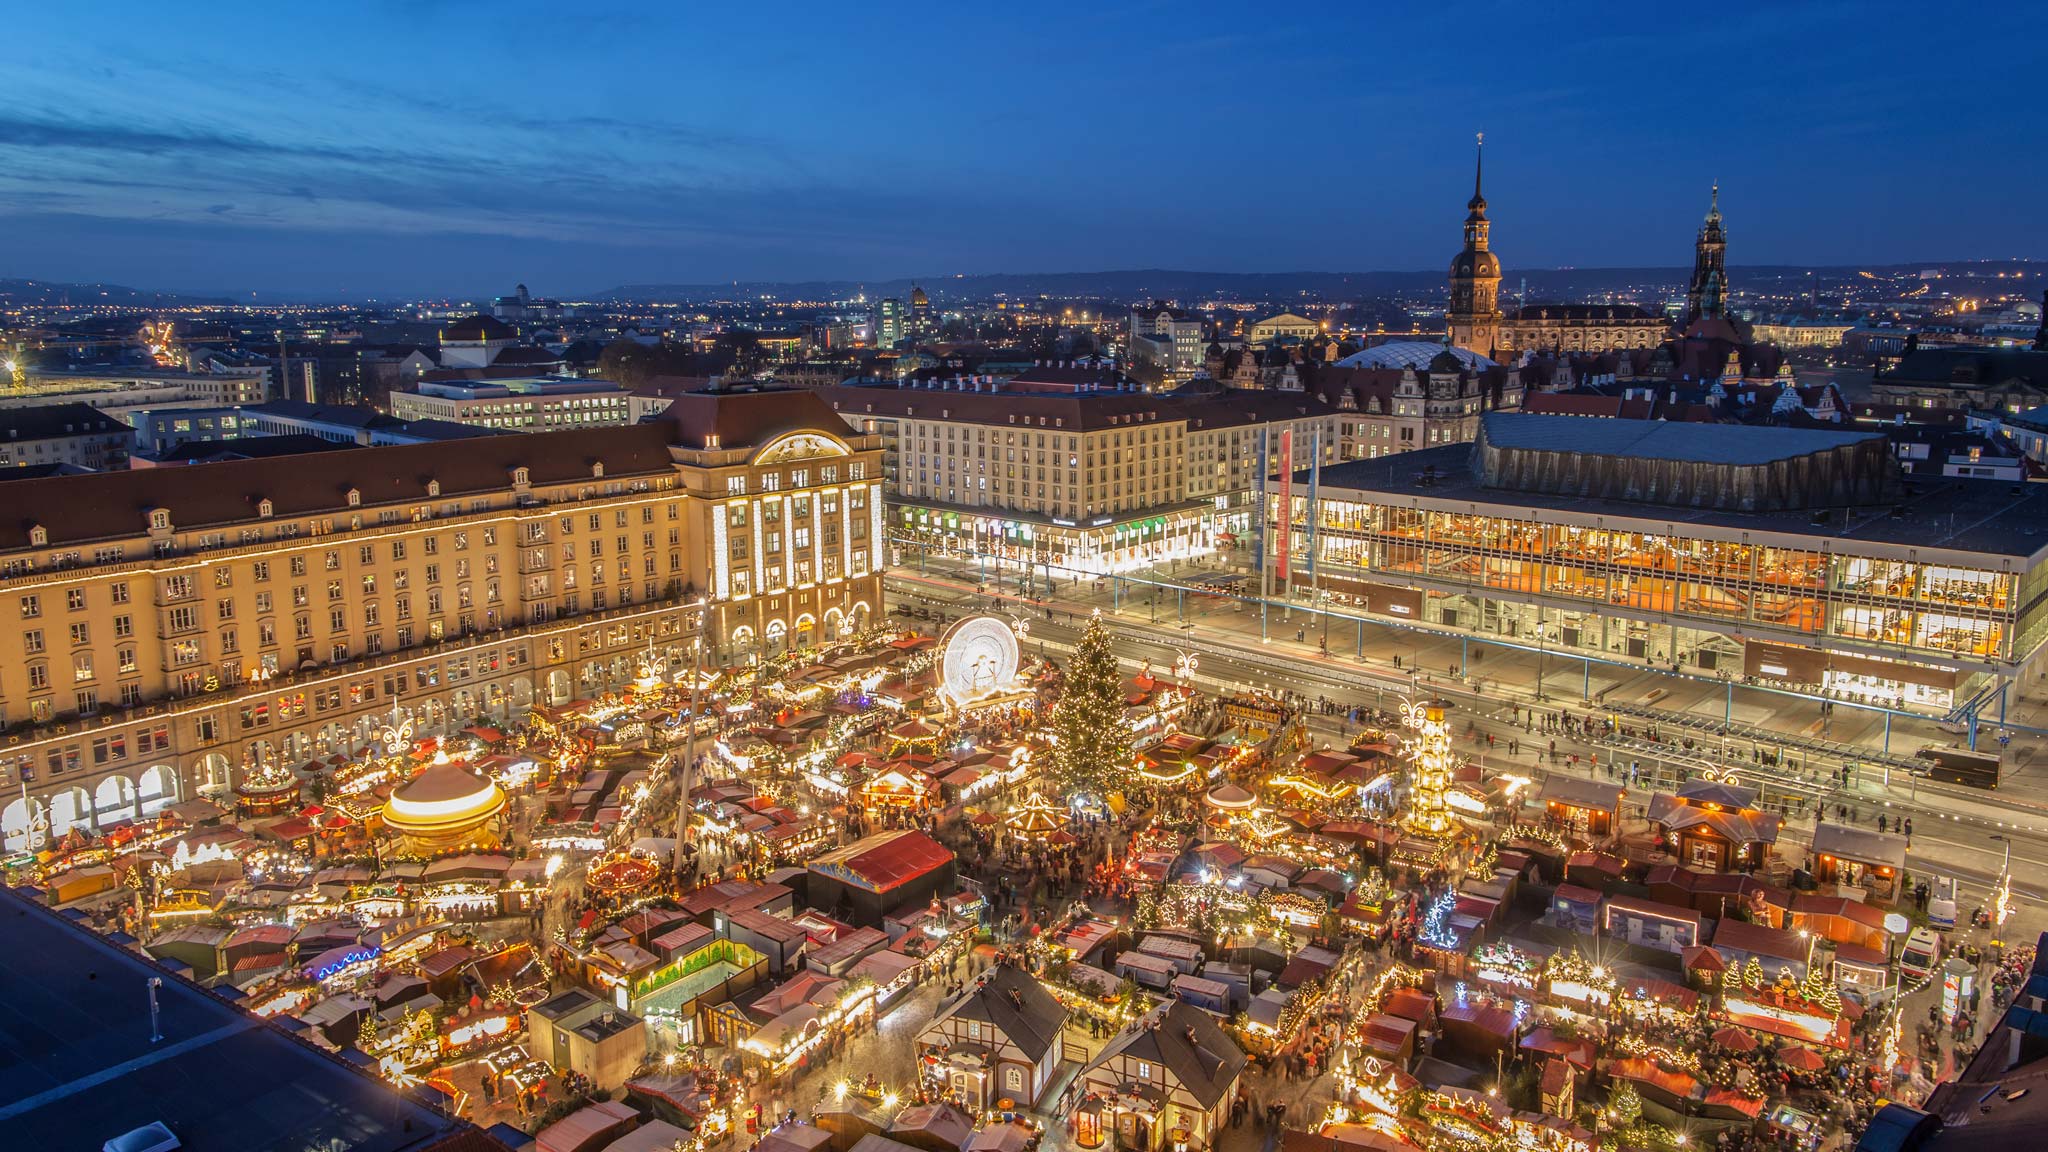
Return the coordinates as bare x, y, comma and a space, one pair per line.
80, 1068
1190, 1044
1969, 367
1661, 440
248, 448
1017, 1004
750, 418
50, 421
1969, 515
479, 327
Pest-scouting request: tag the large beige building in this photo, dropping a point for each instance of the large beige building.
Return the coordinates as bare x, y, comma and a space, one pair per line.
1287, 325
1581, 328
1074, 467
164, 632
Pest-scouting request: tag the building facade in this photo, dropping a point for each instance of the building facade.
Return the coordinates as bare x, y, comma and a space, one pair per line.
1412, 394
1166, 344
1558, 545
1284, 326
999, 1040
888, 322
1073, 467
2010, 380
57, 434
1164, 1083
168, 632
537, 404
1581, 328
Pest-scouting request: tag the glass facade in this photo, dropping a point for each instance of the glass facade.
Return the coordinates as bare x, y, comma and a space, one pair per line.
1682, 600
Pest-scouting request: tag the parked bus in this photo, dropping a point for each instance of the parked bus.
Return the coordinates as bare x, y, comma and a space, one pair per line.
1960, 766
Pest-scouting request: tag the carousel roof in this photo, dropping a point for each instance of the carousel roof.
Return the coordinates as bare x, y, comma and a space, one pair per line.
1231, 796
444, 796
1037, 817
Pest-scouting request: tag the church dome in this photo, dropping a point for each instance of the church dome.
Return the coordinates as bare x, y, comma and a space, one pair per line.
1417, 354
1475, 265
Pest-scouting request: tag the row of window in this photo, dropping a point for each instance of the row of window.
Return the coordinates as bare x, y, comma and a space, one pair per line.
798, 478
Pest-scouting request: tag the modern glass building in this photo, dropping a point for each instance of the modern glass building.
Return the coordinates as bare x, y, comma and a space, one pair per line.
1786, 557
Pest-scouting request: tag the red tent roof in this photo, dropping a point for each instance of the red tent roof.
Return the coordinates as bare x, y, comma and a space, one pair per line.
885, 861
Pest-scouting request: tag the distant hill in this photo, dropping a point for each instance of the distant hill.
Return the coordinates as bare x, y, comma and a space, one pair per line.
1155, 283
53, 292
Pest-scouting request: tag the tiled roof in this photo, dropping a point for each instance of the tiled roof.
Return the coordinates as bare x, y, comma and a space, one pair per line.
115, 504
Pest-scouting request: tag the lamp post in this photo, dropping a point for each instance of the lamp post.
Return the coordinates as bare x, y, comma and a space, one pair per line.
690, 743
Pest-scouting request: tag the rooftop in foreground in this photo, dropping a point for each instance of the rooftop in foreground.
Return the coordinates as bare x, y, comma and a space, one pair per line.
1992, 517
80, 1068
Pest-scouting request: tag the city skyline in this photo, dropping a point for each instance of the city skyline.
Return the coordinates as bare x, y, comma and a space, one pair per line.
450, 149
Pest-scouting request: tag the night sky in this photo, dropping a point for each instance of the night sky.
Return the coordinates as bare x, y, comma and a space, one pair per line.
427, 147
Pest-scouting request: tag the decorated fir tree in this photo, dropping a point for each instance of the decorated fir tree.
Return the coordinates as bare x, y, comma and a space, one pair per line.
1624, 1107
1094, 742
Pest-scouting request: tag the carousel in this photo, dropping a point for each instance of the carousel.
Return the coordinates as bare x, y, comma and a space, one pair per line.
269, 790
1036, 819
445, 809
619, 875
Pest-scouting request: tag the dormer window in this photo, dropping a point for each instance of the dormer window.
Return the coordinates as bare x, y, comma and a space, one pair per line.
39, 537
433, 487
597, 470
265, 508
355, 498
160, 519
521, 476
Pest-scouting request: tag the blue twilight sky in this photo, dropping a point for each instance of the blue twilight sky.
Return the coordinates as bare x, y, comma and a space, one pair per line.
437, 146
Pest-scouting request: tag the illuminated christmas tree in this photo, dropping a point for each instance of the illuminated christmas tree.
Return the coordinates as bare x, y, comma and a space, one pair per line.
1432, 768
1093, 750
1624, 1106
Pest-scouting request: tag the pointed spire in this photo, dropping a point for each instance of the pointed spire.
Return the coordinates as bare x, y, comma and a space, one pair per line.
1714, 203
1478, 173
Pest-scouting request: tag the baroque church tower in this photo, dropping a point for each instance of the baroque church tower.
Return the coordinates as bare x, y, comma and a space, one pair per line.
1475, 277
1707, 296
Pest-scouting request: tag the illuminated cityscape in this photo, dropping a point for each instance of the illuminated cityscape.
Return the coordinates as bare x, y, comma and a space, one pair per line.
1169, 587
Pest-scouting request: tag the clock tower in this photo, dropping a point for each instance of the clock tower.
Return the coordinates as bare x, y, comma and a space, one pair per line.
1475, 276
